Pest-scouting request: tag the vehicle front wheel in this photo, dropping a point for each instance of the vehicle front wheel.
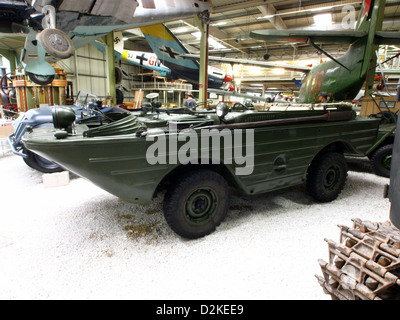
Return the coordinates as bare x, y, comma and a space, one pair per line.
327, 176
381, 160
197, 204
41, 164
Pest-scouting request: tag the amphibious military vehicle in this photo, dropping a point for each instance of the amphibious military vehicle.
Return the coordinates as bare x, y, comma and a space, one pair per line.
198, 158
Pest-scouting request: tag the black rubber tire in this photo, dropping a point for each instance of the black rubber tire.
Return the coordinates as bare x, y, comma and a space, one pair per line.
380, 159
119, 96
56, 43
118, 75
327, 176
41, 80
41, 164
196, 190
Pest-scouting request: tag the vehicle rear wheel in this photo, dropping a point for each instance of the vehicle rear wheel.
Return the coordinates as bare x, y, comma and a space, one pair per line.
327, 176
197, 204
381, 160
41, 164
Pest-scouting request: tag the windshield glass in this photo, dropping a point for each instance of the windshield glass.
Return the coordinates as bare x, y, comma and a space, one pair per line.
83, 98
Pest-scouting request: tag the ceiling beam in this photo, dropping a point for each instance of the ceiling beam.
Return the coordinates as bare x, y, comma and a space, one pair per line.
241, 5
221, 36
277, 21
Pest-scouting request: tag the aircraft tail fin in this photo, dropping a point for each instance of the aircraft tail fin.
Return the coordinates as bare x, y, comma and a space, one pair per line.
168, 48
118, 42
370, 21
365, 15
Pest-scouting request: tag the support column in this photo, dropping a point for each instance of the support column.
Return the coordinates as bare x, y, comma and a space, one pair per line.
203, 24
112, 87
77, 83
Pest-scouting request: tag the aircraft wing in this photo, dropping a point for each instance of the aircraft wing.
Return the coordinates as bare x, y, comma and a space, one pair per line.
304, 36
12, 41
75, 23
264, 64
387, 37
340, 37
81, 16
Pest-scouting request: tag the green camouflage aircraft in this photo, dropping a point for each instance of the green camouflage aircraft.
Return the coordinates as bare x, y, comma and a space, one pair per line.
340, 78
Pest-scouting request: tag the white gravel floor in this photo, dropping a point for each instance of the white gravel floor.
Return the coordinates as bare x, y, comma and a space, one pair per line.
79, 242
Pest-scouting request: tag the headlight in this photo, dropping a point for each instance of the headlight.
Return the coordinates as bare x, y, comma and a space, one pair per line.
63, 118
222, 110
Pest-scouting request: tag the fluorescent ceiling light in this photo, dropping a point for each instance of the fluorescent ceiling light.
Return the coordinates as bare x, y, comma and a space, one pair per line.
321, 9
323, 20
197, 35
278, 71
181, 30
255, 70
307, 10
219, 24
212, 42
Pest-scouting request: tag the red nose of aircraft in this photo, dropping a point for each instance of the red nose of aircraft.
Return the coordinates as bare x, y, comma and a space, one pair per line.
228, 78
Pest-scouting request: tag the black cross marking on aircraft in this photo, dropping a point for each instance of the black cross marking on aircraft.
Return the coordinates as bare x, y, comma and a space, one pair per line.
141, 58
172, 54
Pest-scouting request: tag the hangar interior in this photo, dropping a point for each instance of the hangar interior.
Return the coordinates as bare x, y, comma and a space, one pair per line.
230, 25
78, 231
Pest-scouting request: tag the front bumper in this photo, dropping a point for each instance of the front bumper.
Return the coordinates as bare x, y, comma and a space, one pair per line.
16, 149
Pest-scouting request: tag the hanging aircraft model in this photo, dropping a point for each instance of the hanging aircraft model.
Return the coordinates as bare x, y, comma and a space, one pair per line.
142, 59
149, 60
340, 78
169, 49
53, 29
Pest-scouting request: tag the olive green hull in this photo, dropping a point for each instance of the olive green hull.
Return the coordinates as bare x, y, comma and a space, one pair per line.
282, 155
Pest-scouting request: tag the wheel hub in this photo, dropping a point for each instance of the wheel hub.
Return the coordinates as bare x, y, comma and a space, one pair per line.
201, 206
387, 161
332, 177
58, 42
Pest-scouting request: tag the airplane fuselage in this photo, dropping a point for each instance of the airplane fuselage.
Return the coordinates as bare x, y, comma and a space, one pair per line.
338, 82
216, 77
